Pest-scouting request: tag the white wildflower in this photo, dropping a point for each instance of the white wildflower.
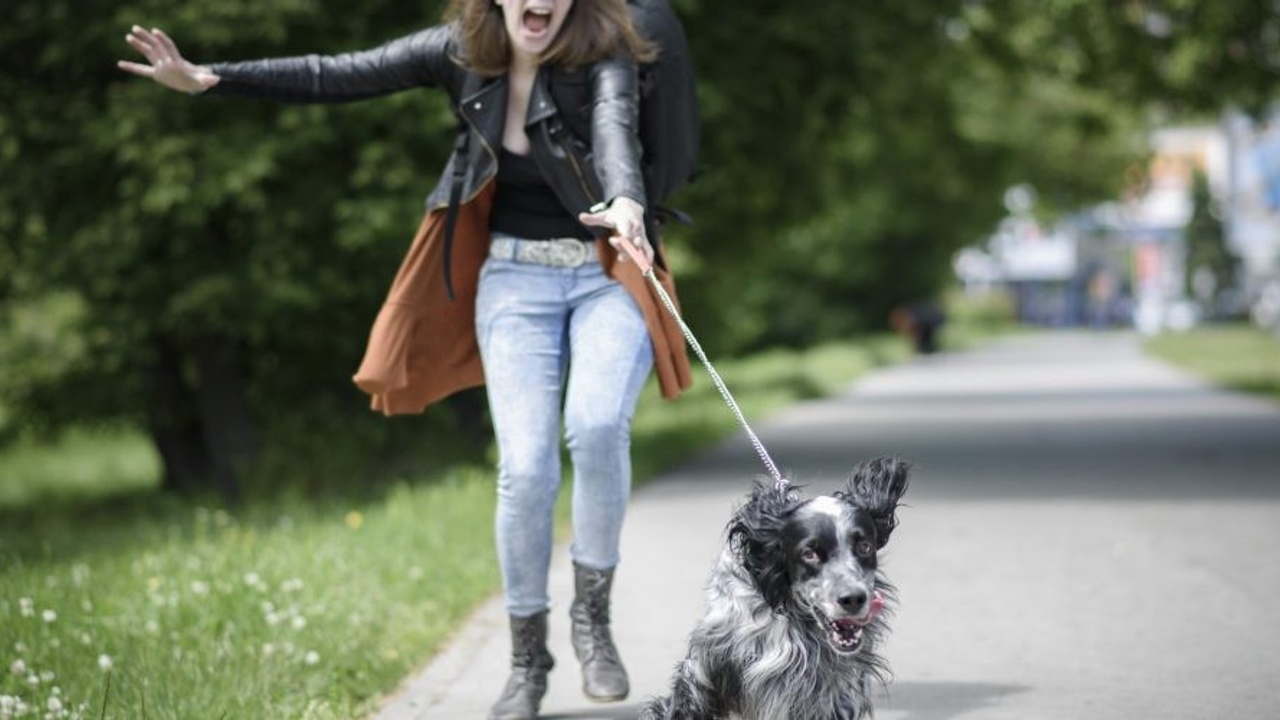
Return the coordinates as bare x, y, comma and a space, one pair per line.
291, 585
268, 649
17, 667
49, 616
104, 663
312, 657
415, 573
299, 622
152, 627
55, 705
47, 676
27, 607
199, 587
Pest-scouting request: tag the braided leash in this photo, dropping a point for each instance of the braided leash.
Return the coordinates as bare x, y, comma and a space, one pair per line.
646, 268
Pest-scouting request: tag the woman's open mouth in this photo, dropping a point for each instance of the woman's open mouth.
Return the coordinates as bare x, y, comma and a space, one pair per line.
535, 21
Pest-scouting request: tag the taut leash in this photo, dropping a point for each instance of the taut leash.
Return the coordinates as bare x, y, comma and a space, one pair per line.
646, 268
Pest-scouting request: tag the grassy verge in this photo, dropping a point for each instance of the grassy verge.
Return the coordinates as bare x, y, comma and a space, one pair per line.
117, 602
1239, 356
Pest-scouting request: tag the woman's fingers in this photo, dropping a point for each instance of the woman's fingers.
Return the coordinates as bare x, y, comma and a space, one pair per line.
166, 42
145, 71
629, 248
144, 44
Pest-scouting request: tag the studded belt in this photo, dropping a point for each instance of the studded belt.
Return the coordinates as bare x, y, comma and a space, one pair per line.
557, 252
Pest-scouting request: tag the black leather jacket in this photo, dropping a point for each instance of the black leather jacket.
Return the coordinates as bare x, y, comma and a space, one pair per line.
581, 122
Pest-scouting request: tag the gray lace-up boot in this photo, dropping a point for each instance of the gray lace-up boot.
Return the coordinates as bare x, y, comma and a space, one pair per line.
603, 677
530, 663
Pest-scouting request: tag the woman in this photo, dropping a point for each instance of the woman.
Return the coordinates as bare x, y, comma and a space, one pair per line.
506, 283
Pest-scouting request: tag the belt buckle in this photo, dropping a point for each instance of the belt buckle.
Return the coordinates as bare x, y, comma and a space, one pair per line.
568, 252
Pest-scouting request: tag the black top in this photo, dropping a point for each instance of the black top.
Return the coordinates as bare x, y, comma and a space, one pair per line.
525, 205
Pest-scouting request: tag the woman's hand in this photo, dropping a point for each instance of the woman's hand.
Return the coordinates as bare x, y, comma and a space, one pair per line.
625, 217
165, 64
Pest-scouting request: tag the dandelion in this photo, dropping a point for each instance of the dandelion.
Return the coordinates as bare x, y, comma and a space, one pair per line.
311, 658
18, 668
49, 616
27, 607
79, 574
354, 519
104, 663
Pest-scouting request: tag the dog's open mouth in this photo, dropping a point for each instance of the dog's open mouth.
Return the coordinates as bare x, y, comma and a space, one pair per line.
846, 633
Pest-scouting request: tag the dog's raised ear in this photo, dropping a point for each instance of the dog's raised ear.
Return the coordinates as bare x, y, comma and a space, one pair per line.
755, 535
877, 487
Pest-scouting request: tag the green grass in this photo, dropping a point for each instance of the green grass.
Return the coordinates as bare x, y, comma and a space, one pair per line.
290, 607
1237, 356
80, 465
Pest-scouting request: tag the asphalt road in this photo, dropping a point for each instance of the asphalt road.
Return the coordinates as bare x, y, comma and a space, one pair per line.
1090, 535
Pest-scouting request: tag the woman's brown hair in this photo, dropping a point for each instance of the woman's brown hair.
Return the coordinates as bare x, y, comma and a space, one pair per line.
593, 30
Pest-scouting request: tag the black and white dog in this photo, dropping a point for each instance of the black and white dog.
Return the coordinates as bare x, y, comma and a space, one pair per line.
794, 607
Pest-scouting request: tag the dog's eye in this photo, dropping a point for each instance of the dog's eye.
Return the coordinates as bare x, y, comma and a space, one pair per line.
810, 555
863, 548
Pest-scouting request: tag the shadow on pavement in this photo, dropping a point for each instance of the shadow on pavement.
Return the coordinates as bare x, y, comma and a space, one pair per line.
918, 700
604, 712
942, 700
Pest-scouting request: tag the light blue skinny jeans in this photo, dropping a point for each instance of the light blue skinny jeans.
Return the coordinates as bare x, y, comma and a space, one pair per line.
550, 339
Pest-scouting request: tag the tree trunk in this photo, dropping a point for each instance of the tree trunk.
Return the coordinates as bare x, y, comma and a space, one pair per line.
230, 433
174, 423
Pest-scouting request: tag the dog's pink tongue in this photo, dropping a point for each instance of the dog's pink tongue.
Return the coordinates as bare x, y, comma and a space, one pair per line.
877, 604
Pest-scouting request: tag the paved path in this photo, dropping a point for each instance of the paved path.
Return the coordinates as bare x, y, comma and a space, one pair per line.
1090, 535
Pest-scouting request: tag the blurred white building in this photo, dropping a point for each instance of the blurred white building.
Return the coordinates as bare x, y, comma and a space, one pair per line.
1124, 261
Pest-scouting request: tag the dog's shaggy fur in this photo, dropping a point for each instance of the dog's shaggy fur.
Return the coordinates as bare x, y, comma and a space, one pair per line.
793, 607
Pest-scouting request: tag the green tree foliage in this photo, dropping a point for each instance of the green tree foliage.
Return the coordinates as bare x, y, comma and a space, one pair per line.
852, 147
1185, 56
228, 254
1210, 266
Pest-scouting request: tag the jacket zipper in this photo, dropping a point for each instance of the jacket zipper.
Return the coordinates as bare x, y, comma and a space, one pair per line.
577, 168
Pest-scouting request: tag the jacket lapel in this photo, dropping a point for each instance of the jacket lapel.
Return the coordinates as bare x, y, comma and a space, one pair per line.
485, 108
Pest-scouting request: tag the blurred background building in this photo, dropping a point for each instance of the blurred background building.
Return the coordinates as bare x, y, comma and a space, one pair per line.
1135, 261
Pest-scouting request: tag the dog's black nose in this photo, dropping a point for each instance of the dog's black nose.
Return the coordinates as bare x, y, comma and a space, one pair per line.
853, 601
